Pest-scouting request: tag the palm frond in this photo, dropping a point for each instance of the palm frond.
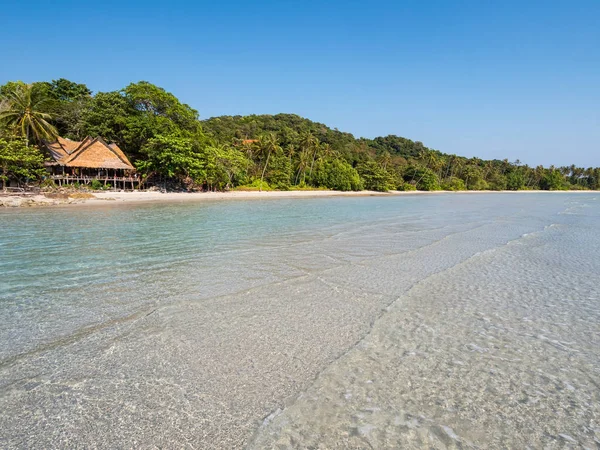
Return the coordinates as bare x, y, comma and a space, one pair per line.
25, 111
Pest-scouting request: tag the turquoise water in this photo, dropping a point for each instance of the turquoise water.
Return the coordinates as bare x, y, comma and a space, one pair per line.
365, 322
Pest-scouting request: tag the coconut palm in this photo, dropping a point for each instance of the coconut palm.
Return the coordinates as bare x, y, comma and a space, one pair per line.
384, 159
23, 111
267, 144
310, 144
290, 151
303, 163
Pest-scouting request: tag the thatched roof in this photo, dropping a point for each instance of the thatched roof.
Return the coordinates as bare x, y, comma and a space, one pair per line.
89, 153
61, 148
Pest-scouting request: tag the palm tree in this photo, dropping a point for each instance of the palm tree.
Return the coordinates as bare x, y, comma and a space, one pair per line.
384, 159
310, 144
24, 112
449, 162
303, 162
489, 166
436, 162
290, 151
267, 143
326, 152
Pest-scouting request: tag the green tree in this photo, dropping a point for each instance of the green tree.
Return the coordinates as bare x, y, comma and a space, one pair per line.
453, 184
304, 159
24, 113
309, 145
173, 156
108, 116
68, 103
280, 172
267, 144
424, 179
374, 177
473, 177
19, 161
515, 180
68, 91
136, 114
337, 174
154, 102
553, 180
496, 181
225, 166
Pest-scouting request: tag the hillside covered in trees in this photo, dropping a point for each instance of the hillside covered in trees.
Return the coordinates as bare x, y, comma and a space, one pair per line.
168, 143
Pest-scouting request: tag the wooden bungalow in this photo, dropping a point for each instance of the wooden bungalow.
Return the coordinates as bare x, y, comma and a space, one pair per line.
88, 160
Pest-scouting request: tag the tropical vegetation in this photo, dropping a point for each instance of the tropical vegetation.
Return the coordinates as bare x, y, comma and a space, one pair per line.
170, 145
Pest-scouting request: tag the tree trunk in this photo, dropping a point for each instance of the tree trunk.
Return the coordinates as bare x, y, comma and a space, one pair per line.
263, 172
312, 163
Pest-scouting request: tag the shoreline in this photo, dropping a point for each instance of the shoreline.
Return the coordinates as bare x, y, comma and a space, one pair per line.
145, 197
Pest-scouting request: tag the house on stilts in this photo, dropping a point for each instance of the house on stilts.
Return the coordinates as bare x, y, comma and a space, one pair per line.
88, 160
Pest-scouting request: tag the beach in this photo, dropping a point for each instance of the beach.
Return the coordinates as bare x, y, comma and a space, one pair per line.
386, 321
136, 197
300, 225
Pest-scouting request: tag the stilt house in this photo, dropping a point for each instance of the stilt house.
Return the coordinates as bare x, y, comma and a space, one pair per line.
88, 160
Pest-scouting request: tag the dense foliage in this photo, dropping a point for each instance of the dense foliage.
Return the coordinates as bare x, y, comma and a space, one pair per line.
169, 144
19, 161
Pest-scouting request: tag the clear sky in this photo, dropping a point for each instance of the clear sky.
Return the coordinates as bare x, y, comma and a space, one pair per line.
493, 79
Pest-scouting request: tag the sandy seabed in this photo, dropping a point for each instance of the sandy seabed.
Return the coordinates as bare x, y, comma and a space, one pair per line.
418, 322
427, 321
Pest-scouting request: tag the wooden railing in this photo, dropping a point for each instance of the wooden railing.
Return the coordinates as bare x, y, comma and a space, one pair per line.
116, 182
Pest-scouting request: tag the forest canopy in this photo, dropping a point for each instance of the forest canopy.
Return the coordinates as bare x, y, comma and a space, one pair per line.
167, 141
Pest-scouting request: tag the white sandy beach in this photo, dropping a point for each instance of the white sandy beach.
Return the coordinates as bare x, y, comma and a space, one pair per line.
121, 197
135, 197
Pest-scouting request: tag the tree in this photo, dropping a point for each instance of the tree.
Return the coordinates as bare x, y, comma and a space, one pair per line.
173, 156
68, 103
19, 161
337, 174
138, 113
267, 144
515, 180
154, 102
109, 115
68, 91
384, 159
553, 180
426, 179
310, 146
24, 112
279, 172
224, 165
374, 177
496, 181
473, 178
303, 163
454, 184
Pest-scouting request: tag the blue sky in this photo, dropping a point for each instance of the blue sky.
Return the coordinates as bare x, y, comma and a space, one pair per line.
507, 79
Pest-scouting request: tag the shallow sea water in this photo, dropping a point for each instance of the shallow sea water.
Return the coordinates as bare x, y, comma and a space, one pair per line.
442, 321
